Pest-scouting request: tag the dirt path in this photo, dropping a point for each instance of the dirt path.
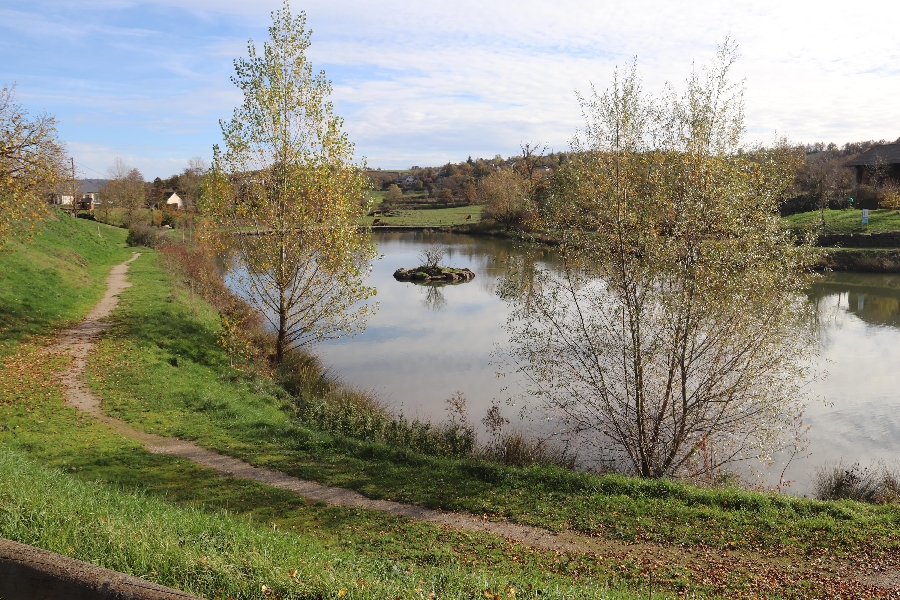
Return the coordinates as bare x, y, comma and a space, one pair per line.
80, 340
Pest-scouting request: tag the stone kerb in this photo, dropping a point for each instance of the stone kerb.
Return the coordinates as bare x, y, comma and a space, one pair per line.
27, 572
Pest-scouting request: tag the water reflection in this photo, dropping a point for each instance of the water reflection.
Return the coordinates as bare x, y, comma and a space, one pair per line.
425, 343
433, 299
858, 415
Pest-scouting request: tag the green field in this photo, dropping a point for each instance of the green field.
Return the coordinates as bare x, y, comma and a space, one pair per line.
433, 217
845, 221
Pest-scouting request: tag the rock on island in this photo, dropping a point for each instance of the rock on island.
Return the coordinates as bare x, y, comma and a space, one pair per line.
435, 274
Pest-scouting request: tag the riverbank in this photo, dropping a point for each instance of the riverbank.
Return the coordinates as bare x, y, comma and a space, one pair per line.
860, 260
159, 368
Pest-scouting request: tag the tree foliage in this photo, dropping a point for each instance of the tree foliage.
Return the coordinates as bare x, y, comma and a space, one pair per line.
394, 193
671, 336
31, 165
125, 191
505, 195
286, 191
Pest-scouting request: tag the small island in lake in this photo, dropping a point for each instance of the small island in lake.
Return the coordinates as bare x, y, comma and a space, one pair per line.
434, 274
431, 272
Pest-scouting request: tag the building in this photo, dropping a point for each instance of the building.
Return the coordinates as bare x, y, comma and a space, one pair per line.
877, 165
87, 193
173, 200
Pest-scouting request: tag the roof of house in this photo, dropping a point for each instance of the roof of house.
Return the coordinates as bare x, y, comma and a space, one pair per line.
888, 154
91, 186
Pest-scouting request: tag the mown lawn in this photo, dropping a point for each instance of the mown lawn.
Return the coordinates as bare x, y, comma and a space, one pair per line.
845, 221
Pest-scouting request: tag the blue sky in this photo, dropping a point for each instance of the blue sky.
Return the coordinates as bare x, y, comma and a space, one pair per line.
427, 82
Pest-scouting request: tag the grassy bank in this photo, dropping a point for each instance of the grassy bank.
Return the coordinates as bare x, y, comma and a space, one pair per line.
57, 277
845, 221
106, 500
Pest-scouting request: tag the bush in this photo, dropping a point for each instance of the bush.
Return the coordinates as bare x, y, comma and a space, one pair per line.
517, 449
878, 485
890, 199
144, 235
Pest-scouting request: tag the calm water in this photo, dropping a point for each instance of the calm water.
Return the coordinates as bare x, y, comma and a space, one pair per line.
425, 343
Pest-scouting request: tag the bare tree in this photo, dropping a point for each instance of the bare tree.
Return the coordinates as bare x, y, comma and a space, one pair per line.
432, 255
671, 337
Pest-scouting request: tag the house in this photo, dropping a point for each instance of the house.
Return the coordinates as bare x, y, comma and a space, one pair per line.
86, 195
408, 181
877, 165
173, 200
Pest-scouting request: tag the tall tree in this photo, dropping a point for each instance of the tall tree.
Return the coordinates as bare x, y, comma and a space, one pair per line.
32, 163
286, 191
125, 190
671, 337
505, 195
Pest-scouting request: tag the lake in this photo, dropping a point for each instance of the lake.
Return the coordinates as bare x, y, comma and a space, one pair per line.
426, 343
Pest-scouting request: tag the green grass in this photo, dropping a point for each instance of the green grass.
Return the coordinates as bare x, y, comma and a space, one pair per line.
250, 418
294, 550
845, 221
71, 485
159, 368
56, 277
433, 217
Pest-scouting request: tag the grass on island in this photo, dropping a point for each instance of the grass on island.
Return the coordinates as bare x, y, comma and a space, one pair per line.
160, 368
845, 221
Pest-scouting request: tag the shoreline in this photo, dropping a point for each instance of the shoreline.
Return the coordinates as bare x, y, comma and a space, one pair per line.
856, 259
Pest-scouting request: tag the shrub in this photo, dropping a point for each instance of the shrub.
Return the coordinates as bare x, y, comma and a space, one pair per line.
144, 235
520, 450
878, 485
890, 199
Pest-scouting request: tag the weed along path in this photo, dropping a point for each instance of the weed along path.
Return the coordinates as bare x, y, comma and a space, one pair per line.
764, 574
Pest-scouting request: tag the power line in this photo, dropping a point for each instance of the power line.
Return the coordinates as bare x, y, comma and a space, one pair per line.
89, 169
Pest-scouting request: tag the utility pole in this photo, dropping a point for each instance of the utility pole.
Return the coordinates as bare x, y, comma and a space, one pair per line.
74, 188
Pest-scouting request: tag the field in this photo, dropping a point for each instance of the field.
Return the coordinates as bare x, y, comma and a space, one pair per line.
433, 217
845, 221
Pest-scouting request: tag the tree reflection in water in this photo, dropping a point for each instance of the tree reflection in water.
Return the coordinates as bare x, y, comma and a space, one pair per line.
434, 298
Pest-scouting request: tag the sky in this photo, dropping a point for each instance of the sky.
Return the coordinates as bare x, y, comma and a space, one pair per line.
423, 83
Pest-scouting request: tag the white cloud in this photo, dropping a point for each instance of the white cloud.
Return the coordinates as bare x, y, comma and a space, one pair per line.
418, 82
